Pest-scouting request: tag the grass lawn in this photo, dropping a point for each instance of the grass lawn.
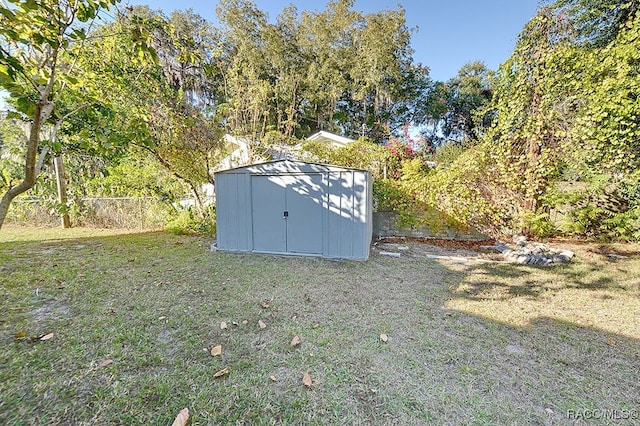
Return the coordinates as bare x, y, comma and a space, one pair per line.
489, 343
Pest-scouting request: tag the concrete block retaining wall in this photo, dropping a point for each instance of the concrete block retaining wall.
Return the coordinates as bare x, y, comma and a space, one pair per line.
385, 224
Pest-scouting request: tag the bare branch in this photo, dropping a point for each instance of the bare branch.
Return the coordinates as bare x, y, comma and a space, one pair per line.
41, 158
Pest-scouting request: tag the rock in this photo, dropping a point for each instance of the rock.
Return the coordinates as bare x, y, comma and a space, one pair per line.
391, 254
499, 247
617, 256
566, 254
534, 253
520, 240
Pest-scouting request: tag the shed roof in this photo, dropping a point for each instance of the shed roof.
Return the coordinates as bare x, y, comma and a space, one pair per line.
286, 166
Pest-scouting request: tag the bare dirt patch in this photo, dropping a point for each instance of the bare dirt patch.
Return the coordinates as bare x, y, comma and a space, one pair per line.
463, 253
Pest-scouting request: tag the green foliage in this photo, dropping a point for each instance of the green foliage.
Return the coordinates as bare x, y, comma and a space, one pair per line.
336, 69
630, 189
470, 192
12, 149
188, 223
392, 195
599, 207
361, 154
607, 128
596, 23
465, 99
447, 153
40, 43
163, 107
136, 177
623, 226
563, 111
538, 224
318, 152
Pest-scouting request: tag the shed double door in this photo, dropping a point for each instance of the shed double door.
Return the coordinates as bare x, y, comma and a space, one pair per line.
287, 213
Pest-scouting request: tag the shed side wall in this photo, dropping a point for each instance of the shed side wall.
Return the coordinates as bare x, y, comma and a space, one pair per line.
348, 224
233, 212
369, 212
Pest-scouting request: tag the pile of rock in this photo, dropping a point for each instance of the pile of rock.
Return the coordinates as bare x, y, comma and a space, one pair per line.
522, 251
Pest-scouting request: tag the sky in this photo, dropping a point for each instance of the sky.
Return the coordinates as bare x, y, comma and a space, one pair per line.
450, 33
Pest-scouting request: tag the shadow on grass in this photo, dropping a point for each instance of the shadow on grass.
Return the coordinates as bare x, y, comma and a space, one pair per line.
590, 290
567, 336
507, 281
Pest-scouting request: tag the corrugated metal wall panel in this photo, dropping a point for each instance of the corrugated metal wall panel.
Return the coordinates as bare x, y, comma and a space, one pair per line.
233, 217
349, 201
359, 226
224, 204
369, 214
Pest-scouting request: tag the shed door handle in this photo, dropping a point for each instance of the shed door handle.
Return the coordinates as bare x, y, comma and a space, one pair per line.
285, 215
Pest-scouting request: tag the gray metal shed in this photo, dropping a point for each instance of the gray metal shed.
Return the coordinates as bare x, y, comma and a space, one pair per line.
292, 207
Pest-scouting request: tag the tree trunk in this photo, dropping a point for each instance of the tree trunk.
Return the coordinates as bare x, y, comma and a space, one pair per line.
43, 111
198, 200
61, 182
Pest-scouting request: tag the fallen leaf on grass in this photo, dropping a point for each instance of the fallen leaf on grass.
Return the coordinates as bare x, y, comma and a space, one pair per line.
223, 325
216, 350
384, 338
245, 322
306, 380
273, 378
222, 372
266, 304
261, 324
295, 341
611, 341
20, 335
46, 337
182, 418
107, 362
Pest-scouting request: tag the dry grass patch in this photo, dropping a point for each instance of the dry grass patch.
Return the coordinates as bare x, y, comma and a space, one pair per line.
597, 290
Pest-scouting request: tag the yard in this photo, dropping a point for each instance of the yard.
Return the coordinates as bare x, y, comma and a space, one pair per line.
105, 328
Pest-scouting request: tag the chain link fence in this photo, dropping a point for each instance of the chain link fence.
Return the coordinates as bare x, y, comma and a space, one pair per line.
114, 212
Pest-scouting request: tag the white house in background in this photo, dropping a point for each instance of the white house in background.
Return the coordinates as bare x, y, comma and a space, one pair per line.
237, 153
329, 138
238, 149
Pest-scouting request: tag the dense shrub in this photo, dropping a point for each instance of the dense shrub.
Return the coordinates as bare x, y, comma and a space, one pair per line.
187, 222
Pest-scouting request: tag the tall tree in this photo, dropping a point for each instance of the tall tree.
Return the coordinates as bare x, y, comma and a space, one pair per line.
245, 71
467, 95
595, 23
167, 108
337, 70
525, 96
37, 43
